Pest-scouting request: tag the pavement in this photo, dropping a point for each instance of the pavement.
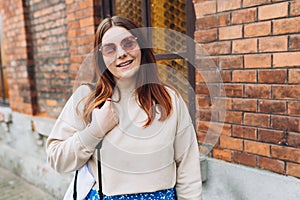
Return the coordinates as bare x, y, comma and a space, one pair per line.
13, 187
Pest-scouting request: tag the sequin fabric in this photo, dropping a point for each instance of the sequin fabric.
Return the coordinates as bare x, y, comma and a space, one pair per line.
168, 194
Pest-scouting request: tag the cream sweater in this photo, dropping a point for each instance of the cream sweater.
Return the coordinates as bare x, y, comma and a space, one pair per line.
134, 159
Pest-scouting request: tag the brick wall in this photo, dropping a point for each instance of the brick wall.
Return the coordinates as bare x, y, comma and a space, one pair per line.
48, 30
18, 57
255, 46
44, 43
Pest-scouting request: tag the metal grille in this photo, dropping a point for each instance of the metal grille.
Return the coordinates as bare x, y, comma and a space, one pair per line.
130, 9
170, 15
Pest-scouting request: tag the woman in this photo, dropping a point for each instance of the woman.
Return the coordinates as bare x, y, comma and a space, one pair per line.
149, 148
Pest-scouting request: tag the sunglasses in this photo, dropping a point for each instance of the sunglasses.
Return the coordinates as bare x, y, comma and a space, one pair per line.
127, 44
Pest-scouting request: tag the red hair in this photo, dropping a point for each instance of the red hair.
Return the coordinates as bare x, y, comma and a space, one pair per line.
150, 89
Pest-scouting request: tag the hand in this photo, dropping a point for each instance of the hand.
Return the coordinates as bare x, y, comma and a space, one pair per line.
104, 119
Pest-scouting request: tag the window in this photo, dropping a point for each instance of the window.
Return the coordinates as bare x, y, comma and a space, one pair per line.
168, 14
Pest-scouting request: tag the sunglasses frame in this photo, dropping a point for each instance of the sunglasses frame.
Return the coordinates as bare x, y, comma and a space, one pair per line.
122, 46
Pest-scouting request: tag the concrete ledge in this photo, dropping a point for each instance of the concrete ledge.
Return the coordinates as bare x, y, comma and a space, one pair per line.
35, 171
229, 181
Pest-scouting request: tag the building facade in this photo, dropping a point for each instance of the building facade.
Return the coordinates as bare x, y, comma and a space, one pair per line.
242, 82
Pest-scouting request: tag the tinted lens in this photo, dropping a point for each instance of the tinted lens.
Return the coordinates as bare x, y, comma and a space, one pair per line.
108, 49
129, 43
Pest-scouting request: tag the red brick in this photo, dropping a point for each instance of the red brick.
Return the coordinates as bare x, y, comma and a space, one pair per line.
293, 169
286, 153
249, 3
231, 143
272, 106
273, 44
293, 139
284, 26
221, 104
206, 35
206, 63
233, 90
203, 102
271, 164
210, 8
285, 123
210, 76
231, 62
294, 42
294, 76
213, 21
244, 46
271, 136
245, 76
286, 91
273, 11
243, 16
257, 61
294, 108
230, 32
257, 29
226, 76
217, 48
259, 120
258, 91
207, 90
214, 128
244, 104
257, 148
228, 5
272, 76
244, 132
231, 117
207, 115
295, 8
222, 154
244, 158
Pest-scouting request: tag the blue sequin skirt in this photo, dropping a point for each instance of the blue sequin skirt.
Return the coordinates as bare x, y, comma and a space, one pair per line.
168, 194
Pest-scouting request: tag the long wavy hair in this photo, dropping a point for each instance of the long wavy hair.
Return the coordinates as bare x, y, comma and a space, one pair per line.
150, 89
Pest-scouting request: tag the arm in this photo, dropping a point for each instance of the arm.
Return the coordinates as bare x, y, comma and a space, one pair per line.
71, 143
188, 184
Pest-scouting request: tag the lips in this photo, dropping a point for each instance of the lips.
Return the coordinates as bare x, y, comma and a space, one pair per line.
124, 64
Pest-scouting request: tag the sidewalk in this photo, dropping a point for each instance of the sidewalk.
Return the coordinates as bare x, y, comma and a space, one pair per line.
15, 188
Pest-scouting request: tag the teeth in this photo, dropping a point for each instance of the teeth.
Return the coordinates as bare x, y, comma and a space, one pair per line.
126, 63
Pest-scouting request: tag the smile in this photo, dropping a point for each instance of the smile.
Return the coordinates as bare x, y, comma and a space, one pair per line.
124, 64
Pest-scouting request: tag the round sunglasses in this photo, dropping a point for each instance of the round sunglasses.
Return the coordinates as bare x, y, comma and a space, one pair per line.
127, 44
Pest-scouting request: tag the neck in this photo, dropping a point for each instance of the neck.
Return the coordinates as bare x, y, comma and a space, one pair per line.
126, 85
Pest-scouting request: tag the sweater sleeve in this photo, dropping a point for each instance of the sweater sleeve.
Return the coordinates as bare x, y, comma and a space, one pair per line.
70, 143
188, 183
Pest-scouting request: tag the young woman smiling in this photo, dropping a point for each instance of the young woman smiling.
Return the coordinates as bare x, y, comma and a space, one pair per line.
149, 146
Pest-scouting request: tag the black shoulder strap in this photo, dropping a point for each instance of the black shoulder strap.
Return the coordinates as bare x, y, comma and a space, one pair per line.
99, 174
75, 186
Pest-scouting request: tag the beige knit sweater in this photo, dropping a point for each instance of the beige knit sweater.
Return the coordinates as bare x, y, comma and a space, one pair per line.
134, 159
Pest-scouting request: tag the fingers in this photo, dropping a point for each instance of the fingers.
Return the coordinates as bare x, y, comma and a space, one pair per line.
108, 103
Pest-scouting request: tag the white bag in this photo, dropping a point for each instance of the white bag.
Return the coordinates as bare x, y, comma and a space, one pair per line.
85, 182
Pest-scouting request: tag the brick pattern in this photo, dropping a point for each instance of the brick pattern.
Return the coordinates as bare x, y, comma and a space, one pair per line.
17, 56
44, 44
252, 82
48, 27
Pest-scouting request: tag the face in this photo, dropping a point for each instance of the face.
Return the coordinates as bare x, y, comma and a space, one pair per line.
121, 53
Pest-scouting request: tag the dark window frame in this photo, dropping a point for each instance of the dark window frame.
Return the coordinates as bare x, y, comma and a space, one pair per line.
189, 55
4, 98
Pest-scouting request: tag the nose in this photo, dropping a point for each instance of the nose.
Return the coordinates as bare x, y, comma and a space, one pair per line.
120, 52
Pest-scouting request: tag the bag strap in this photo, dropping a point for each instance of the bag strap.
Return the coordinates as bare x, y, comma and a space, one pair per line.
75, 186
99, 174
